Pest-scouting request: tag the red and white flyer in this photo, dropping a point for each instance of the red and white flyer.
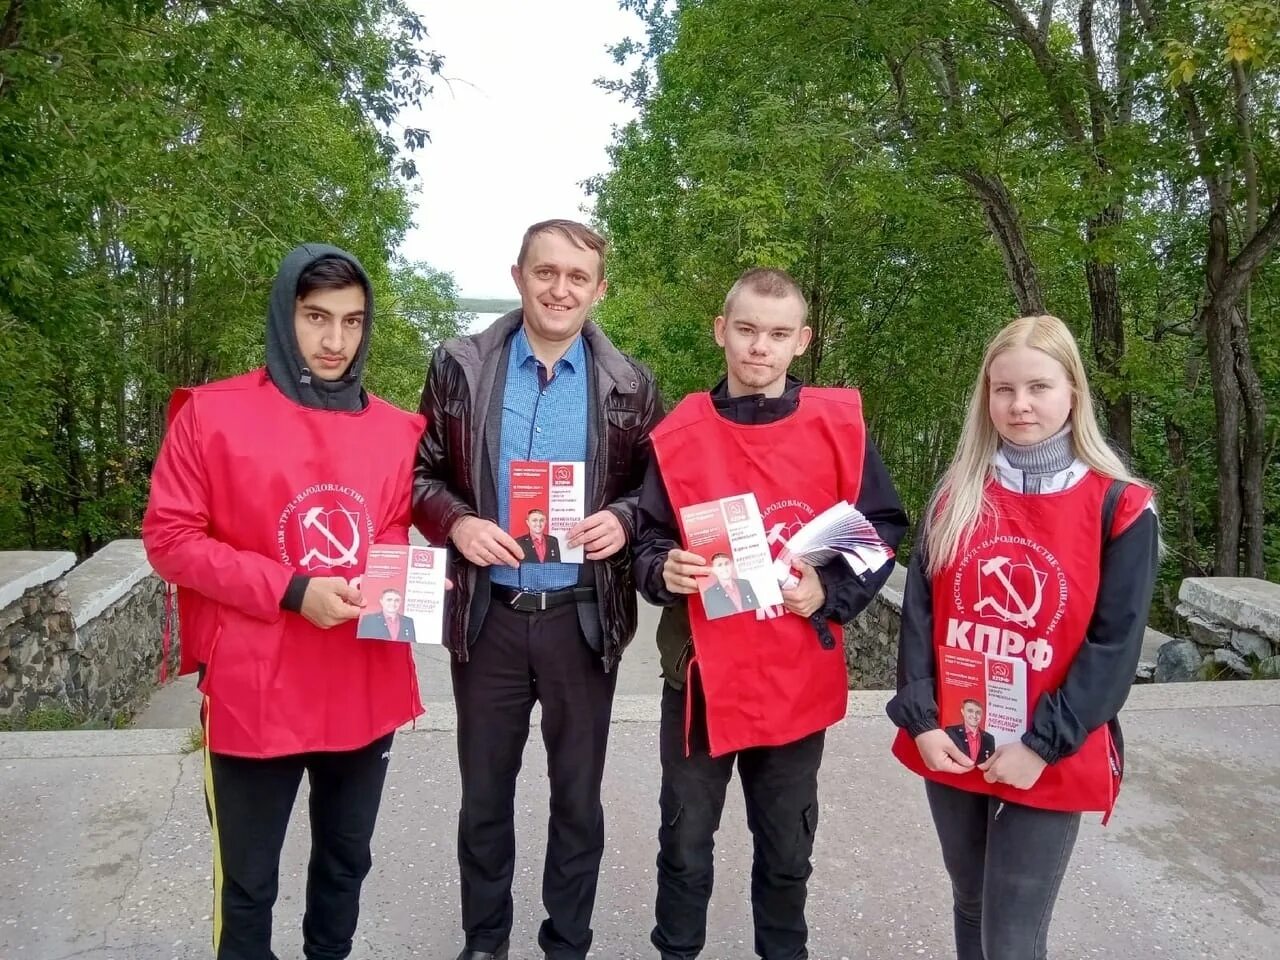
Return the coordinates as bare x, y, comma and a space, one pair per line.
982, 699
729, 535
547, 499
403, 591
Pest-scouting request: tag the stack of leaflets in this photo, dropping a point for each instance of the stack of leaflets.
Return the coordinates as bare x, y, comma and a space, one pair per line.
842, 531
403, 592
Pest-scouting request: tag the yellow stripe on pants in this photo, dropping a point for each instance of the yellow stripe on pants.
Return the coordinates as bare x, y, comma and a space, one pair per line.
213, 827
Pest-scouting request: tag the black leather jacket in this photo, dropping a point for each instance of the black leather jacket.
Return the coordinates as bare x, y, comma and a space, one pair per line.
463, 385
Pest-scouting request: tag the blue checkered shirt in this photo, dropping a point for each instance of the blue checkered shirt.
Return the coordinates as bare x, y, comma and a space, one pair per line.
541, 420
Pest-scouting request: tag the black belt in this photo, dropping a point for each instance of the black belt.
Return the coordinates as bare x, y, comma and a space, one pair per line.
531, 601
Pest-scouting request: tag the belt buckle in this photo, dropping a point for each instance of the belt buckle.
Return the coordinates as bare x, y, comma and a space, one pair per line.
521, 593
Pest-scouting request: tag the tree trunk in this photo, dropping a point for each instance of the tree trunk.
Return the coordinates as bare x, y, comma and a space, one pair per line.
1253, 453
1006, 230
817, 310
10, 34
1217, 325
1185, 527
1108, 337
1255, 427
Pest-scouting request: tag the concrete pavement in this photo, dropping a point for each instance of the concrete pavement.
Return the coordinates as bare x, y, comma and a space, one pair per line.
105, 850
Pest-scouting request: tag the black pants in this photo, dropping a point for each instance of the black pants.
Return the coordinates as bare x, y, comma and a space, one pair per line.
249, 803
520, 658
780, 785
1006, 863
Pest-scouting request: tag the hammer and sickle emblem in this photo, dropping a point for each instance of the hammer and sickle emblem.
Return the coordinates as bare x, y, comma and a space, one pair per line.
1025, 614
315, 519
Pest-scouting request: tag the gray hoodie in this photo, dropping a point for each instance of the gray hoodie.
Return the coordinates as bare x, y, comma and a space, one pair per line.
285, 364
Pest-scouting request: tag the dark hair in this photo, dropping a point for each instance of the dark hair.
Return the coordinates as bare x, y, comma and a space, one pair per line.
579, 234
328, 273
719, 555
392, 590
767, 282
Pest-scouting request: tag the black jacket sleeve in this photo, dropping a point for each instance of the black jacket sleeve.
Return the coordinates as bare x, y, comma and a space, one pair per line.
1101, 674
625, 506
915, 706
436, 508
294, 593
656, 536
847, 593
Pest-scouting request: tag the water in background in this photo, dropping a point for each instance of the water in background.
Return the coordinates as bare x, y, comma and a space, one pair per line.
481, 321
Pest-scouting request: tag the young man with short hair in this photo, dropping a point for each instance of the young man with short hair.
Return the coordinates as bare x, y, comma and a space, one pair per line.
267, 493
542, 383
758, 688
727, 593
969, 736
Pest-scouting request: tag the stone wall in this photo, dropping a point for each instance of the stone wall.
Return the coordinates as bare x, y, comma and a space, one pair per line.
1231, 628
34, 610
85, 639
871, 641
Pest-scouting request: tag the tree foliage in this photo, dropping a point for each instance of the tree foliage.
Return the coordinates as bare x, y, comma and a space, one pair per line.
160, 157
929, 170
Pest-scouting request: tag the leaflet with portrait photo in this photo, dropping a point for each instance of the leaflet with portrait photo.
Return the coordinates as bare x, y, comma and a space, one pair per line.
997, 685
729, 534
403, 592
548, 498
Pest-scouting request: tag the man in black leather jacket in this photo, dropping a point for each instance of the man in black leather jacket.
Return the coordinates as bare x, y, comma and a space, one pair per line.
541, 383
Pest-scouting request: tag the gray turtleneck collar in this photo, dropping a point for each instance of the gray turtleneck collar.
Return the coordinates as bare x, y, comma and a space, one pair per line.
1040, 461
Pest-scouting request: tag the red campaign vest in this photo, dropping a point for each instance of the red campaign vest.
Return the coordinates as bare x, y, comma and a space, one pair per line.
305, 491
766, 679
1053, 539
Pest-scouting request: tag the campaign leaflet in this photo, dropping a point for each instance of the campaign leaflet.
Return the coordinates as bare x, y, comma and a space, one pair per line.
982, 699
729, 535
547, 500
403, 591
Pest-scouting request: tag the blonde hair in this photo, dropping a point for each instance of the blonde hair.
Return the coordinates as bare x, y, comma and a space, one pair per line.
765, 282
959, 504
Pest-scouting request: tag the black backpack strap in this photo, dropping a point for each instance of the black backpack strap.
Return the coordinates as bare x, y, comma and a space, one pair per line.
1109, 504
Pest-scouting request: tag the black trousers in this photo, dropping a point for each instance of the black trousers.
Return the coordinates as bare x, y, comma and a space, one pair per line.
249, 803
520, 658
1006, 863
780, 786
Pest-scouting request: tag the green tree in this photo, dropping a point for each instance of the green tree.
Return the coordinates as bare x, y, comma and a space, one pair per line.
928, 170
160, 157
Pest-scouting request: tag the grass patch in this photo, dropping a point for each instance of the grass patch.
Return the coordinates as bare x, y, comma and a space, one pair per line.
63, 718
195, 740
1267, 668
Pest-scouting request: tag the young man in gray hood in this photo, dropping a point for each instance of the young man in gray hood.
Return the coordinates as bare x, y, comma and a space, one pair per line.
267, 493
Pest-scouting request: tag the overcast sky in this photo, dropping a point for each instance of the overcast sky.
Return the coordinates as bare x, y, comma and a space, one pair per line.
514, 130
